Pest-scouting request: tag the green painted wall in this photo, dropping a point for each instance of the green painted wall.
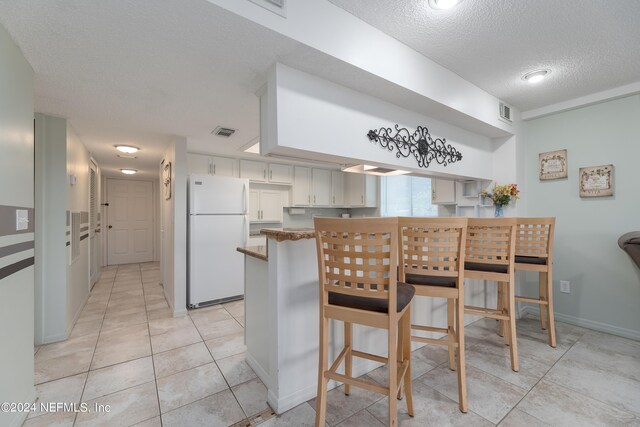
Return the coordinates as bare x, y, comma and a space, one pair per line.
605, 283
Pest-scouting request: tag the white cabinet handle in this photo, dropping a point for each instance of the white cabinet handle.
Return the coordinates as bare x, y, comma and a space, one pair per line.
214, 168
334, 200
264, 174
309, 198
362, 199
270, 175
314, 199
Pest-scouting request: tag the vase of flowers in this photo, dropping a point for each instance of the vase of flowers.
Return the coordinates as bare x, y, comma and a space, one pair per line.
501, 195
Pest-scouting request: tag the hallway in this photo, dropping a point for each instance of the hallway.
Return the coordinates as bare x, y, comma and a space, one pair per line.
127, 351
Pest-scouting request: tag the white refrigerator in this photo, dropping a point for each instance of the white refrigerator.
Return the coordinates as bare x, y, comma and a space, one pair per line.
218, 224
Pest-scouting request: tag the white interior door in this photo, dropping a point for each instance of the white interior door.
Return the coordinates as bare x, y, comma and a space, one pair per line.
129, 221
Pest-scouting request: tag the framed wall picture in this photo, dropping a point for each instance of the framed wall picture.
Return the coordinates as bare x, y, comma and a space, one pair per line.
552, 165
596, 181
166, 180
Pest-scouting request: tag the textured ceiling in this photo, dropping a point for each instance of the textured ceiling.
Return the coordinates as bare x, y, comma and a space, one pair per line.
140, 72
590, 45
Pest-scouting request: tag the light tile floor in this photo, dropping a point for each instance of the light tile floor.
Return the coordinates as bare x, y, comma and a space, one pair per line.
127, 351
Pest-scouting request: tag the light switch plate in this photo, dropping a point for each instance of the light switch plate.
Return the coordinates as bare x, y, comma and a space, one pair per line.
565, 286
22, 219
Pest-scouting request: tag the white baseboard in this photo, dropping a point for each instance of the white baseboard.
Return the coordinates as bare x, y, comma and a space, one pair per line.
586, 323
16, 419
283, 404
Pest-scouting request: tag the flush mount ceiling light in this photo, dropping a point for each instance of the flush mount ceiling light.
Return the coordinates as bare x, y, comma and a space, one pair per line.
536, 76
129, 149
373, 170
128, 171
254, 149
443, 4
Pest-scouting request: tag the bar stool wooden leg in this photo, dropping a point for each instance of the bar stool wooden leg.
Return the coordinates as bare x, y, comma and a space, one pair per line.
501, 307
400, 351
552, 323
462, 370
406, 354
450, 334
511, 303
393, 376
542, 283
348, 337
323, 366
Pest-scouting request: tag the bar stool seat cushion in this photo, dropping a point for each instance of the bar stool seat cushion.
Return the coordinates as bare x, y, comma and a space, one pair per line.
405, 294
491, 268
531, 260
423, 279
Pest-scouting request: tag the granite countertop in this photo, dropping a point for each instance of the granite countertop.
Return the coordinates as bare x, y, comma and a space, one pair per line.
283, 234
259, 252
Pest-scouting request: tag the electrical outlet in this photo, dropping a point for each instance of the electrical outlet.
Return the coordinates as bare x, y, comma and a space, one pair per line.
565, 286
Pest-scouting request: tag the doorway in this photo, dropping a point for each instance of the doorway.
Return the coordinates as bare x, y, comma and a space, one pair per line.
130, 221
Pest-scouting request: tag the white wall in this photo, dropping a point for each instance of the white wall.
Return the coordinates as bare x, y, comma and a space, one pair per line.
77, 201
173, 261
335, 32
16, 190
605, 286
61, 287
320, 117
51, 205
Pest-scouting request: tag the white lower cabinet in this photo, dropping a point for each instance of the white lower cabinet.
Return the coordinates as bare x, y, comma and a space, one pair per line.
266, 206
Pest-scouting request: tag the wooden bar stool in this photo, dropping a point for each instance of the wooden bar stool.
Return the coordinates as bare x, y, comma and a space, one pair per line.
357, 267
490, 255
534, 252
432, 252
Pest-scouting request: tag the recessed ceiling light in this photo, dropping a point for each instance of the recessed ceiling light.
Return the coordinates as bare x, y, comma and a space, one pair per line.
536, 76
443, 4
127, 149
128, 171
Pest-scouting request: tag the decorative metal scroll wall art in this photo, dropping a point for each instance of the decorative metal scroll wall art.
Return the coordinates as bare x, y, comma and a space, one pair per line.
419, 144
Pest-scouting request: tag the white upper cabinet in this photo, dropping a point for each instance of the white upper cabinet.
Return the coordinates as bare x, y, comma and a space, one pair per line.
266, 205
337, 188
223, 166
280, 174
362, 190
301, 186
443, 191
198, 164
211, 165
321, 187
253, 170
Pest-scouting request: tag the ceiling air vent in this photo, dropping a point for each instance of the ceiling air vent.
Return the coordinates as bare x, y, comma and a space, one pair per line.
224, 132
505, 112
275, 6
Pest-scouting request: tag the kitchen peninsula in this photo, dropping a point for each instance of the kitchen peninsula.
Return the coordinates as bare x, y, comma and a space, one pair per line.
281, 317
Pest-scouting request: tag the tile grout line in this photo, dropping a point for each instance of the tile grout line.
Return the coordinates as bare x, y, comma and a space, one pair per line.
216, 362
97, 340
538, 382
153, 363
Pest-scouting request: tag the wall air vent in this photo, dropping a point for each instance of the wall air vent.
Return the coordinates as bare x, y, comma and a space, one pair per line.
223, 132
505, 112
276, 6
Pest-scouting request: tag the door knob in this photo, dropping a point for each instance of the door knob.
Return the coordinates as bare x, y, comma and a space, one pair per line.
110, 227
